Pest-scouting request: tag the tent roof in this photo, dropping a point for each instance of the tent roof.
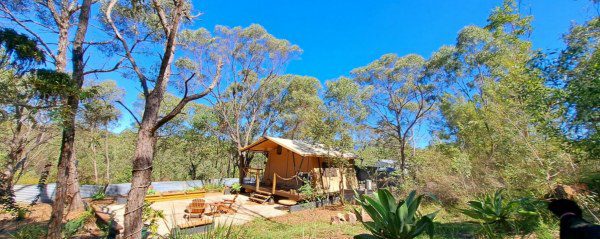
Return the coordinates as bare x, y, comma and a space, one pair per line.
302, 148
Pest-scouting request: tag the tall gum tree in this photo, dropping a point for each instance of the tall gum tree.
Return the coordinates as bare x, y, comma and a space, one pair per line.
155, 24
23, 111
58, 19
401, 96
246, 99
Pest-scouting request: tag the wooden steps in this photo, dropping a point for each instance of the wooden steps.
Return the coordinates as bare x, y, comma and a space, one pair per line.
260, 197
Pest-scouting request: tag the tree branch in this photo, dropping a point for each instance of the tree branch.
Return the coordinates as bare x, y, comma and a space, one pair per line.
114, 68
189, 98
20, 23
162, 16
143, 79
130, 112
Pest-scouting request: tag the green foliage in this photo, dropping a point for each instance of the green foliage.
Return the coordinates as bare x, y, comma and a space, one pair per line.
21, 213
98, 195
577, 69
30, 231
501, 215
394, 219
24, 49
213, 187
72, 227
50, 83
236, 188
491, 208
151, 217
151, 192
307, 190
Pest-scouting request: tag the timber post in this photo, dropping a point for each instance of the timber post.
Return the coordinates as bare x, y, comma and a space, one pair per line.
257, 180
274, 183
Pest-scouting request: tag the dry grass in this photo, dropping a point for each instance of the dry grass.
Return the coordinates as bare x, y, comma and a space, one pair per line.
313, 223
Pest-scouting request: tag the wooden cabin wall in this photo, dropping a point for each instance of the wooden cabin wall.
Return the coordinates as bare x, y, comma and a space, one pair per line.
326, 180
283, 165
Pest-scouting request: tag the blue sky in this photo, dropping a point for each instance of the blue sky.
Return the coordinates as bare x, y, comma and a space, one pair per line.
338, 36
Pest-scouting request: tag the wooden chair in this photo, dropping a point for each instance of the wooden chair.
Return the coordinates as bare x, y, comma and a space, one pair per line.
227, 205
196, 209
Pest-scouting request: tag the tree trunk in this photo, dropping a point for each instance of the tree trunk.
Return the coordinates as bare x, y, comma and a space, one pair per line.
6, 189
141, 180
63, 41
402, 158
94, 160
106, 157
74, 196
242, 166
60, 200
15, 154
67, 184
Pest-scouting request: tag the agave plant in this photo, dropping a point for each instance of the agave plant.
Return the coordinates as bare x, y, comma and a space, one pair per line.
491, 208
394, 219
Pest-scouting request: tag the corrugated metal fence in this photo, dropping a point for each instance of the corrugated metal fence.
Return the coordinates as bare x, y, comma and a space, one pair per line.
28, 193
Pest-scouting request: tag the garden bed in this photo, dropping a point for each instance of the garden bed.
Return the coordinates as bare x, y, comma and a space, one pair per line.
314, 204
169, 196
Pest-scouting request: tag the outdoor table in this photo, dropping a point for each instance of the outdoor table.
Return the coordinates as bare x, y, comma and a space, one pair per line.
214, 208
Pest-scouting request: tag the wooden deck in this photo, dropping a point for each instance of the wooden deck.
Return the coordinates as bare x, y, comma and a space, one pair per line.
279, 192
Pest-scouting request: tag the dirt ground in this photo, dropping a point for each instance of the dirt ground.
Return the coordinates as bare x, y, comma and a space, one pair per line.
40, 214
320, 214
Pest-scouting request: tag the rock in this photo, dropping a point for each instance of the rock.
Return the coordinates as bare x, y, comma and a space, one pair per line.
565, 191
335, 220
364, 216
341, 217
350, 217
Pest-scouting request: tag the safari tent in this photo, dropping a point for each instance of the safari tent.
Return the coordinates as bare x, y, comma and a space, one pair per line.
292, 163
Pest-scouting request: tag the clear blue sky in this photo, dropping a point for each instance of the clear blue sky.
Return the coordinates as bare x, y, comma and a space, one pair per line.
338, 36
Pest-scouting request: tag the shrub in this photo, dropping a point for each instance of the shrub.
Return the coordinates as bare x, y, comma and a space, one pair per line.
151, 217
394, 219
213, 187
498, 213
98, 196
30, 231
307, 190
73, 226
236, 188
491, 208
20, 213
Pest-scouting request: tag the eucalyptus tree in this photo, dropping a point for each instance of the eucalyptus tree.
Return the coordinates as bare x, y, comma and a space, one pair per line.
24, 112
401, 96
346, 112
51, 24
301, 108
497, 106
577, 72
98, 112
246, 99
143, 31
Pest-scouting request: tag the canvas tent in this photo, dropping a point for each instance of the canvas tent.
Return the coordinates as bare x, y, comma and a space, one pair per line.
291, 163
